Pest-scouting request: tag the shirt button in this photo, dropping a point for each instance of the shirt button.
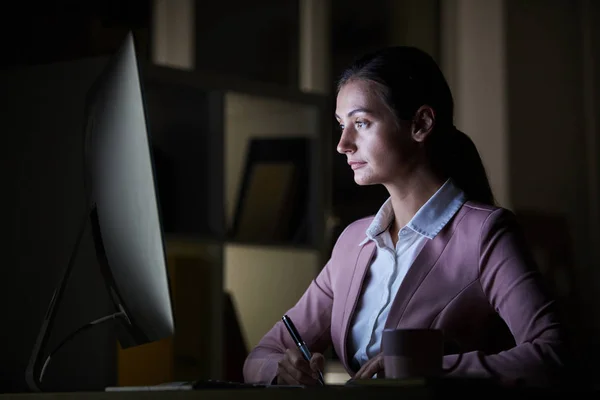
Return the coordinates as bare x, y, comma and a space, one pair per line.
403, 231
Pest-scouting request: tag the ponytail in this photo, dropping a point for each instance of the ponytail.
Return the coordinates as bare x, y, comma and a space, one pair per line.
454, 155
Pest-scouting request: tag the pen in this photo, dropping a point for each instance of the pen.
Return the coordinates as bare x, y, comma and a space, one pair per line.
301, 345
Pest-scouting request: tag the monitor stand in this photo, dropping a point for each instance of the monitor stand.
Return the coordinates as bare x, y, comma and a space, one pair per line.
34, 372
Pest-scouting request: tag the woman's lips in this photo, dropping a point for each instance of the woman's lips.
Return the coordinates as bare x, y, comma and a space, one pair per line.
356, 164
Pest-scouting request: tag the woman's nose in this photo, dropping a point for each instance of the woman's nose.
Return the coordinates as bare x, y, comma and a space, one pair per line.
346, 143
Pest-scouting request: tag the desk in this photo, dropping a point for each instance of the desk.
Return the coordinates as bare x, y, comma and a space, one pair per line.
327, 393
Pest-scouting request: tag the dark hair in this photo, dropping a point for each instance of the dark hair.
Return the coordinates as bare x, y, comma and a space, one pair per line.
409, 78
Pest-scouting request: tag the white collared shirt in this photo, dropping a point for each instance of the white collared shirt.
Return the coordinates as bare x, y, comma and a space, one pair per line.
389, 266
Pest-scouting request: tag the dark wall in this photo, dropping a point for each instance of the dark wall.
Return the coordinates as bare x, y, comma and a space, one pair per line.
257, 40
58, 30
43, 207
550, 160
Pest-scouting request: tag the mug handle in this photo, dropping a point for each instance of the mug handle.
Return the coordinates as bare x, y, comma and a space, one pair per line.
456, 363
453, 366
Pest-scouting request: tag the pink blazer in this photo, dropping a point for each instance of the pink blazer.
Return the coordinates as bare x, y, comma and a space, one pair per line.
476, 280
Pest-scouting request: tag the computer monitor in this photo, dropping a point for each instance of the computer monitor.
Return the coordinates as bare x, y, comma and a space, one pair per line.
123, 211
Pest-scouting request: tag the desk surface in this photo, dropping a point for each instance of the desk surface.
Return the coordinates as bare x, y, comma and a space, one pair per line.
320, 393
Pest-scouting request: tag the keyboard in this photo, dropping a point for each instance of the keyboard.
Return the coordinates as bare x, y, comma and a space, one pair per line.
216, 384
196, 385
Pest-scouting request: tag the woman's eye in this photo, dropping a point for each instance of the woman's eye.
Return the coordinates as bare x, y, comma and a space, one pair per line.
342, 127
360, 124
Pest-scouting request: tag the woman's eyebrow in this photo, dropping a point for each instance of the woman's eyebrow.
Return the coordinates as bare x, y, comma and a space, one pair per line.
355, 111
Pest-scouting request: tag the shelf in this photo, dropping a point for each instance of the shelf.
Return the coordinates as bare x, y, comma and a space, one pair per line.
207, 240
276, 245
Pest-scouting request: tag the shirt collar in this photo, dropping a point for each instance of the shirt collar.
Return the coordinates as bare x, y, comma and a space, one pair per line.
429, 220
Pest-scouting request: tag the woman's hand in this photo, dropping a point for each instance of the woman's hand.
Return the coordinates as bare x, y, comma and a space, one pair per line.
371, 367
293, 369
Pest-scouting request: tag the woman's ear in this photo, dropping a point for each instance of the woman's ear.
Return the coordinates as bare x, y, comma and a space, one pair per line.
423, 123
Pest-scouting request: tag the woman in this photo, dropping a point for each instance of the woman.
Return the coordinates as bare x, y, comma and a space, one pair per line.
438, 254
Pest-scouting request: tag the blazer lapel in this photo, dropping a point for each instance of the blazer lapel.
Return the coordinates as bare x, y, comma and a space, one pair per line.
420, 268
358, 276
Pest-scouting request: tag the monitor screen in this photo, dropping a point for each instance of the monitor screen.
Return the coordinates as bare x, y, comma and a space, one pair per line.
123, 196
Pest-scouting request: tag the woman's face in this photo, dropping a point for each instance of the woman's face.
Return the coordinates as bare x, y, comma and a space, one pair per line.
379, 148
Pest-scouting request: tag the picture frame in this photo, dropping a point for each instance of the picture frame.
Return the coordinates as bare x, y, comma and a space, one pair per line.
273, 199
